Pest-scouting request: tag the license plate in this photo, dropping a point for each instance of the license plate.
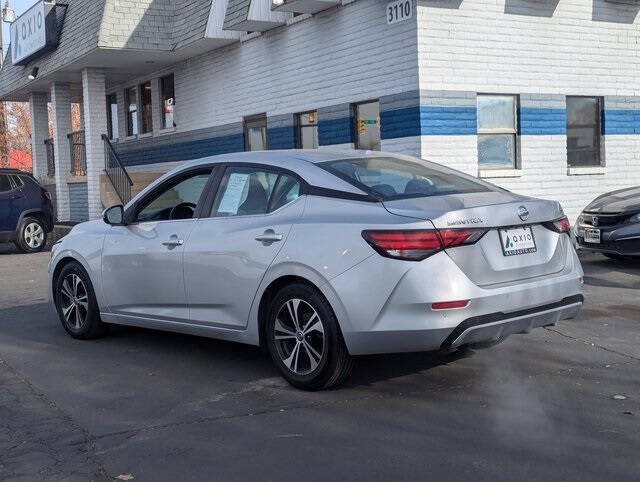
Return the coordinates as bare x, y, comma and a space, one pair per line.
517, 241
591, 235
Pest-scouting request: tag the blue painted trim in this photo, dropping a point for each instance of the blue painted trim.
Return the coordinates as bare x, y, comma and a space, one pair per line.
538, 122
621, 121
182, 151
428, 121
335, 131
281, 137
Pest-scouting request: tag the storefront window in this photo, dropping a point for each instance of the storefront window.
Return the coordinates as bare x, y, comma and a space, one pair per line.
168, 101
307, 136
583, 131
497, 129
131, 101
367, 125
112, 116
255, 133
145, 107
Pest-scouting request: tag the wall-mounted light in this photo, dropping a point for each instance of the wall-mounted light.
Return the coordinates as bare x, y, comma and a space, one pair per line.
33, 74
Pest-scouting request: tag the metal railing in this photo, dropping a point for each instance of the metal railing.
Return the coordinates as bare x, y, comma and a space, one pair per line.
78, 153
116, 171
51, 157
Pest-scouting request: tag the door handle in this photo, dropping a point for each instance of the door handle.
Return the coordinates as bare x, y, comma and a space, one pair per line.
269, 236
173, 242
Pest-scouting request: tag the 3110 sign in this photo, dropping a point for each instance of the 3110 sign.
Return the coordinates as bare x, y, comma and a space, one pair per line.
399, 11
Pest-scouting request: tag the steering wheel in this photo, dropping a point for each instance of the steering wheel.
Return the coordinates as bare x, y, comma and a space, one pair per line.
182, 211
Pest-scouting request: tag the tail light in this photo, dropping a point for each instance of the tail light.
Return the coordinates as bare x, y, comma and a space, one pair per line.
416, 245
560, 225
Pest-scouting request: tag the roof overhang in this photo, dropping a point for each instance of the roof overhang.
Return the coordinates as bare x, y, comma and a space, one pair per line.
253, 16
303, 6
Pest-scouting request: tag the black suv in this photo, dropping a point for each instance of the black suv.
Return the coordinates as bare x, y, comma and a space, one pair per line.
26, 211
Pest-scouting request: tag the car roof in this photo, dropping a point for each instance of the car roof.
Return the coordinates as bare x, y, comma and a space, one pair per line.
285, 157
300, 161
10, 170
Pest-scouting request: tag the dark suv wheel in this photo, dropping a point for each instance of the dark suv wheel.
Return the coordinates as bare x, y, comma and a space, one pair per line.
32, 235
304, 339
76, 303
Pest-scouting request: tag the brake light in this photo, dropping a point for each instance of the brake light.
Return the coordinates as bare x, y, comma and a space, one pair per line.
416, 245
560, 225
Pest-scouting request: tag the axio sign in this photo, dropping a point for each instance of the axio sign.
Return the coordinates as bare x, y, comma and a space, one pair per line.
34, 33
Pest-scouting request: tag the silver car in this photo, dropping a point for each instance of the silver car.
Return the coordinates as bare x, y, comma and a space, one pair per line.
317, 256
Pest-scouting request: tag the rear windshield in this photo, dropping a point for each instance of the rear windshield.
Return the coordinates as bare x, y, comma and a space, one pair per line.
390, 178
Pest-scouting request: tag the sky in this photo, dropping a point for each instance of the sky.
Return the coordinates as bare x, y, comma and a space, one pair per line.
19, 6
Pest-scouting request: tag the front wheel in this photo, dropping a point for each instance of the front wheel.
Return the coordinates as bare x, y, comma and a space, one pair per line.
76, 303
304, 339
32, 235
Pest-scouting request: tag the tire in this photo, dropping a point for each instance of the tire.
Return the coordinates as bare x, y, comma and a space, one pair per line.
76, 303
322, 360
32, 235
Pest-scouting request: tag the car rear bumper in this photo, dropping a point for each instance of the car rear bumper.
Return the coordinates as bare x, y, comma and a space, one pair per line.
403, 319
496, 326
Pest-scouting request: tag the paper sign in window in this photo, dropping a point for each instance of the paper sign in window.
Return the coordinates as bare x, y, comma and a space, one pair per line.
233, 194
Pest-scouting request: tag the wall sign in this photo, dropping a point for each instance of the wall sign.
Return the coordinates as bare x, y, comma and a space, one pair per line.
399, 11
34, 33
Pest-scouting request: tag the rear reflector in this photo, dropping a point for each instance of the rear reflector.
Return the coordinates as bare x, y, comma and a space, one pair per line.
416, 245
560, 225
449, 305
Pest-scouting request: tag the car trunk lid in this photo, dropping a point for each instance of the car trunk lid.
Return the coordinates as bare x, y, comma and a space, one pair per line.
485, 262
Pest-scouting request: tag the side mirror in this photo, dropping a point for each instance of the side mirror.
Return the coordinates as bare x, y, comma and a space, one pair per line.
114, 215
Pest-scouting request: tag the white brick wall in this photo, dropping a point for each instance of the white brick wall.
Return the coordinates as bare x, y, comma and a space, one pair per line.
39, 132
342, 55
61, 112
95, 121
571, 47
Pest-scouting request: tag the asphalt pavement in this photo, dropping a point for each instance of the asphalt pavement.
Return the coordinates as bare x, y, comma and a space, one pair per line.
558, 404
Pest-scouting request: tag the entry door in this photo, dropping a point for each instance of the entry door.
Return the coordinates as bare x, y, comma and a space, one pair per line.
142, 262
228, 254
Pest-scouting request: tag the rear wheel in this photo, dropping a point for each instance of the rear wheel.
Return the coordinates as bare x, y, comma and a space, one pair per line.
76, 303
32, 235
304, 339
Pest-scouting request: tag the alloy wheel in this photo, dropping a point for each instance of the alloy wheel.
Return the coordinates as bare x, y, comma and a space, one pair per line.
74, 301
33, 235
299, 336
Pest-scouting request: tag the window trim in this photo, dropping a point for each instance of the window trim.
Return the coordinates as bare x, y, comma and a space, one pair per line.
161, 80
300, 125
599, 143
110, 125
354, 121
246, 121
515, 132
140, 107
127, 103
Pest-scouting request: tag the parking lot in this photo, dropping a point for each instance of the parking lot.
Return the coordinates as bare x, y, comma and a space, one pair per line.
561, 403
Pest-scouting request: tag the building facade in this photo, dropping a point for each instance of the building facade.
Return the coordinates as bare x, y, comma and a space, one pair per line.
538, 96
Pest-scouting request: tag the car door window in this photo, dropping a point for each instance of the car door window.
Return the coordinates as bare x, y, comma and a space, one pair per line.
244, 191
178, 201
17, 181
5, 185
286, 191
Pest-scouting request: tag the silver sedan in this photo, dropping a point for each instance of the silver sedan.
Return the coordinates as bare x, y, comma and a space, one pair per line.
317, 256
